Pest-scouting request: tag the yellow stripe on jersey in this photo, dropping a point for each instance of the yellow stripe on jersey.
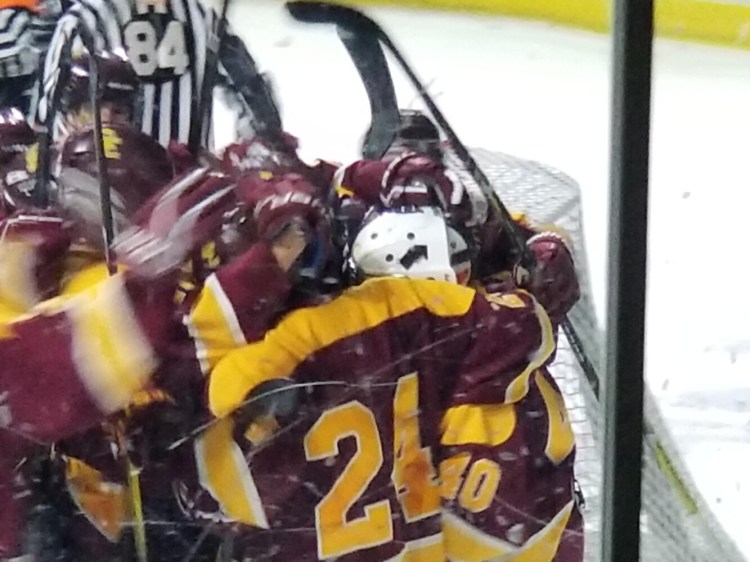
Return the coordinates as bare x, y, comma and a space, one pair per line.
221, 466
114, 358
77, 283
85, 278
479, 424
213, 325
465, 543
18, 288
543, 546
305, 331
519, 387
102, 502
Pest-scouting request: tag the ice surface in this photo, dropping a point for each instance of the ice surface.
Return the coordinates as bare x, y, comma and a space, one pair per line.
542, 92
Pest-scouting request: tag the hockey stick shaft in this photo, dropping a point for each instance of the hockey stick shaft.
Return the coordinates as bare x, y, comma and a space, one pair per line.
357, 22
108, 231
105, 194
369, 60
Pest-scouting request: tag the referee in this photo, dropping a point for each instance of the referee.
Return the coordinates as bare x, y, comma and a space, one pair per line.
166, 43
26, 27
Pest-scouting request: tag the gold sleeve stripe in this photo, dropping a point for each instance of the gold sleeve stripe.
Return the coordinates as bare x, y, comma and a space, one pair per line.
213, 324
488, 424
113, 356
18, 287
85, 278
466, 543
543, 546
103, 503
221, 465
306, 331
519, 387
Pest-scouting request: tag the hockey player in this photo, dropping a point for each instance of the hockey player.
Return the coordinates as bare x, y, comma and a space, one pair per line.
117, 82
104, 336
167, 43
351, 411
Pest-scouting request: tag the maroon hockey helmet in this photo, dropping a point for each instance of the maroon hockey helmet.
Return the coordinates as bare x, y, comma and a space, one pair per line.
137, 167
118, 82
17, 150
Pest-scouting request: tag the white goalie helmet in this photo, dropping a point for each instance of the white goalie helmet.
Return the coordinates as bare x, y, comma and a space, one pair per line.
417, 244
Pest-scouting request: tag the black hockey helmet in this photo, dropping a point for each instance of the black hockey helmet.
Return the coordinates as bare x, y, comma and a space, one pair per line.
416, 132
416, 127
118, 82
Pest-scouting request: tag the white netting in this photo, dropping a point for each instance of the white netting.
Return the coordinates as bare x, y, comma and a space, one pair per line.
676, 523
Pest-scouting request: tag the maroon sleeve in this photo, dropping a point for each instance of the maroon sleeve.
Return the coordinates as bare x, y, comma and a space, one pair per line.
512, 337
257, 288
237, 304
363, 179
65, 370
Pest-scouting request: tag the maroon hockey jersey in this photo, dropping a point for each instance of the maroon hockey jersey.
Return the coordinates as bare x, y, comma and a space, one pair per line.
429, 430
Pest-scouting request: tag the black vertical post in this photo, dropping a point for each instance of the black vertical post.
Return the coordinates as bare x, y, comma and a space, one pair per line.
624, 384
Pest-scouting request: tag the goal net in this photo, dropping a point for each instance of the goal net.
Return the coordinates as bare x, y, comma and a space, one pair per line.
676, 523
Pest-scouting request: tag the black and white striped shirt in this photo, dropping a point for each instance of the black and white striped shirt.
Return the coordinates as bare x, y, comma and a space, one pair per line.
24, 35
166, 43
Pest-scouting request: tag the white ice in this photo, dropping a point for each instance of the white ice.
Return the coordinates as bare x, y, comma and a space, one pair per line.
543, 92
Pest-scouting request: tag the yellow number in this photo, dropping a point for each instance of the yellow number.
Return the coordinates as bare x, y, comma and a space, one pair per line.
451, 473
560, 437
337, 535
480, 486
478, 489
413, 472
221, 464
111, 142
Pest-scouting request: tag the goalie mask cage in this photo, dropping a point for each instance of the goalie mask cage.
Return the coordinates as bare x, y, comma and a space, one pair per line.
676, 523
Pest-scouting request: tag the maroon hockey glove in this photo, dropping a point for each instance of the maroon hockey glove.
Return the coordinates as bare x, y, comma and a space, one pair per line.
281, 201
554, 282
257, 154
410, 180
181, 218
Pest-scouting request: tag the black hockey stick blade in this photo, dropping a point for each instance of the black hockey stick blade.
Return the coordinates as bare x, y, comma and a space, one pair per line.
356, 22
359, 36
310, 11
369, 60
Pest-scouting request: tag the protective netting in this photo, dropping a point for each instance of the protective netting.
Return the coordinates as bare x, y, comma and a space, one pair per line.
676, 523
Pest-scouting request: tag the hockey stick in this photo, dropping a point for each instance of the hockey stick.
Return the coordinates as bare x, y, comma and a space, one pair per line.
108, 231
356, 22
370, 62
105, 194
202, 121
